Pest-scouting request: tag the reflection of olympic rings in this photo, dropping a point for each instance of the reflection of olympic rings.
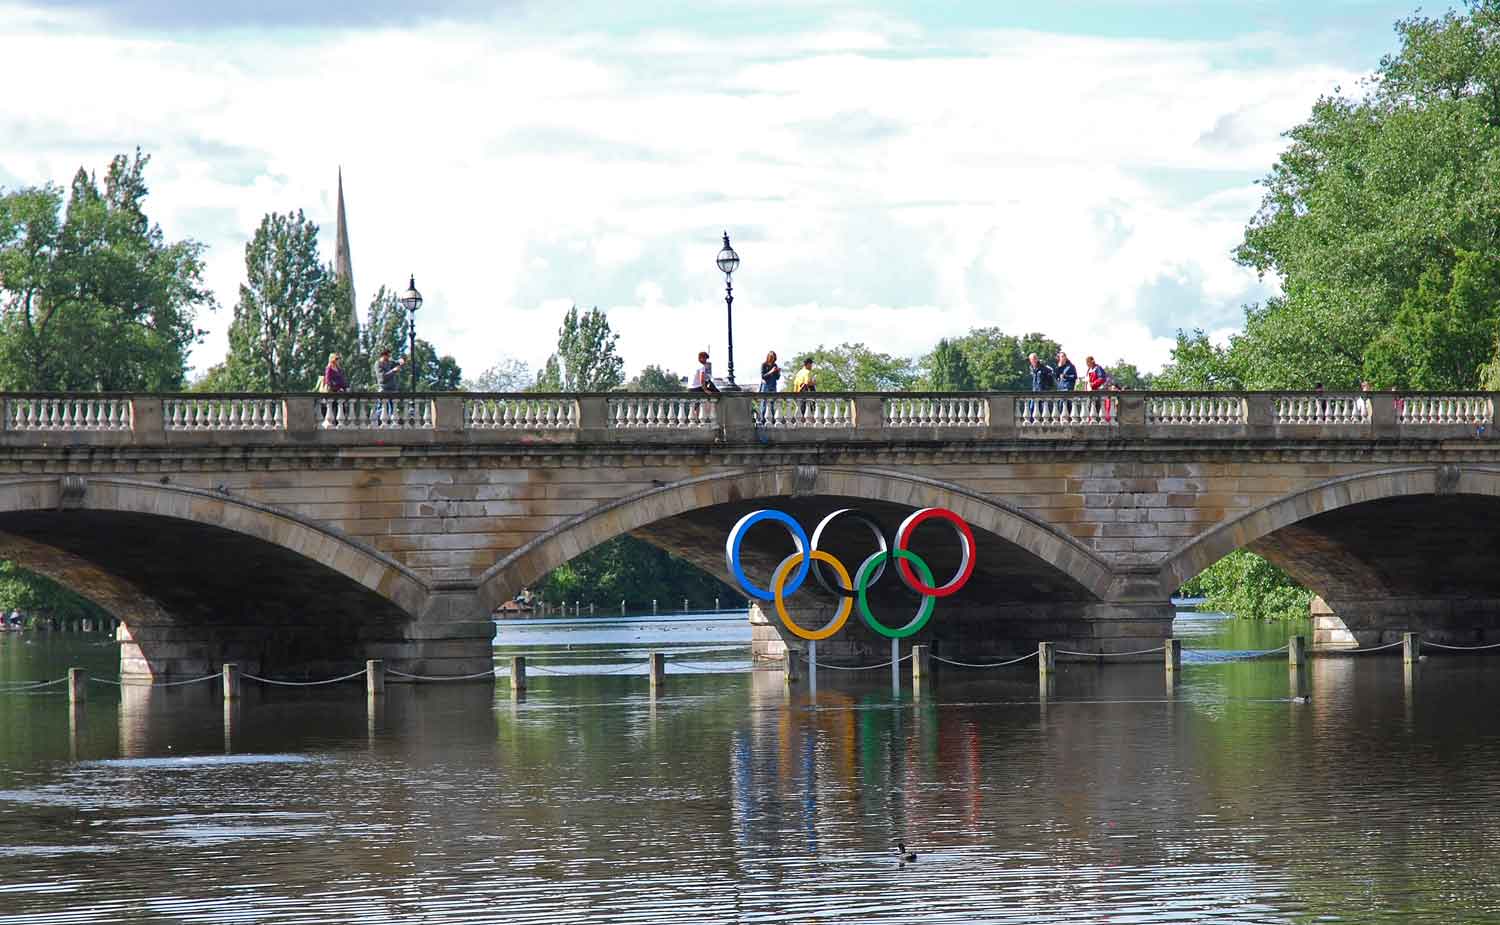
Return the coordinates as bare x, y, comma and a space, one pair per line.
788, 577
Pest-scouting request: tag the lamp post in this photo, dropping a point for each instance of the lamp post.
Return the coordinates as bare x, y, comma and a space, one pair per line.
728, 262
411, 300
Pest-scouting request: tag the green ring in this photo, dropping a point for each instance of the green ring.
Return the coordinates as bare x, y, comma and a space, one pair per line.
861, 584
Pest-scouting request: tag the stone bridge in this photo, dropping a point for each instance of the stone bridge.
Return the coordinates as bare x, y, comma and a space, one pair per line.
298, 535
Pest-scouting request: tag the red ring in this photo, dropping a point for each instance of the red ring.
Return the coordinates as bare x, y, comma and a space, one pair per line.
965, 535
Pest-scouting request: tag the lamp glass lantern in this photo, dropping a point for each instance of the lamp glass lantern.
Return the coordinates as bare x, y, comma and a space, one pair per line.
728, 262
411, 300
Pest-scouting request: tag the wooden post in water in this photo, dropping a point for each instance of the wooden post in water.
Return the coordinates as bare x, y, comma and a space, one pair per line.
1411, 648
1046, 658
1296, 652
518, 672
374, 677
658, 672
1172, 655
78, 685
921, 665
789, 668
231, 681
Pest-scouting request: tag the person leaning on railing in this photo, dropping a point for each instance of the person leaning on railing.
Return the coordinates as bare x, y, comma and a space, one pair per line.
805, 381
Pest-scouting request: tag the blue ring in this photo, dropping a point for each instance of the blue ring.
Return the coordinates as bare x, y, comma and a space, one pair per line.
737, 536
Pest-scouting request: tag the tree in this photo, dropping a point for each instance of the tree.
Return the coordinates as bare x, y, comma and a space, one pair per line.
385, 329
1374, 195
948, 368
508, 375
1130, 377
93, 295
636, 572
1249, 587
1197, 365
857, 368
1444, 330
655, 379
288, 318
586, 359
38, 595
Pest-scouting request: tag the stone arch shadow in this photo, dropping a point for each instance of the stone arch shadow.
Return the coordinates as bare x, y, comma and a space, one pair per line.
1337, 494
219, 577
531, 561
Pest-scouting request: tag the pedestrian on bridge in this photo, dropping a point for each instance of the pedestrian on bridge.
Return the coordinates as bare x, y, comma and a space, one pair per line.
703, 376
388, 375
770, 378
1042, 380
1099, 381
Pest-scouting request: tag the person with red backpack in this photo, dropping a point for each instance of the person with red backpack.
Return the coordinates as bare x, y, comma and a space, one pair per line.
1099, 381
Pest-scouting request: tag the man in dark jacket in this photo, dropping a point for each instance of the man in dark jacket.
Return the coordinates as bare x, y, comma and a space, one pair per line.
1042, 377
1042, 380
1067, 373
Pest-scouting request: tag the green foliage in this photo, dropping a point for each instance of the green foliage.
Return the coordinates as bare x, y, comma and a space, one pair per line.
1130, 377
991, 360
636, 572
857, 368
38, 595
586, 359
948, 369
93, 295
1197, 365
655, 379
1444, 330
290, 316
508, 375
1249, 587
1371, 209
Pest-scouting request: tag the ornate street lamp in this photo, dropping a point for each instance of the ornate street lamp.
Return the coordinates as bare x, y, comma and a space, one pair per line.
728, 262
411, 300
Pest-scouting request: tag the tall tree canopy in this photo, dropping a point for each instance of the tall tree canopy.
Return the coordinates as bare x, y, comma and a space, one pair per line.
507, 375
855, 368
1381, 220
94, 296
586, 359
290, 314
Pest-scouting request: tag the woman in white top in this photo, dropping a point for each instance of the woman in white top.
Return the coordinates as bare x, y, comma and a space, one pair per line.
703, 376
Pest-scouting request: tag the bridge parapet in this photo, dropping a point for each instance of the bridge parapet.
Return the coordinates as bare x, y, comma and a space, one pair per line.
690, 418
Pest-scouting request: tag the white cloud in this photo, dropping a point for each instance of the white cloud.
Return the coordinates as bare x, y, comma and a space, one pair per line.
881, 184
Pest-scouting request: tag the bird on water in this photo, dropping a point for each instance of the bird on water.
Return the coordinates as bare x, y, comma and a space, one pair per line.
906, 856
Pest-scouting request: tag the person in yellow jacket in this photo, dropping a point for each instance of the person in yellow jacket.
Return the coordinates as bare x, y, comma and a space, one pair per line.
805, 381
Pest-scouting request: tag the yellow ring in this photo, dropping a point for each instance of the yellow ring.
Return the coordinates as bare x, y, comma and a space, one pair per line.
778, 582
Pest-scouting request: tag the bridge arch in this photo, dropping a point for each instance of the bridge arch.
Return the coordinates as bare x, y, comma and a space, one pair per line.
1253, 529
32, 508
531, 561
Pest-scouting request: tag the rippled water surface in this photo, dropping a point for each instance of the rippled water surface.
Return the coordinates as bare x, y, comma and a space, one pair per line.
1110, 798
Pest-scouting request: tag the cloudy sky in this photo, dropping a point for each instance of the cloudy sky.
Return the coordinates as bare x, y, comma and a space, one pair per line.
889, 173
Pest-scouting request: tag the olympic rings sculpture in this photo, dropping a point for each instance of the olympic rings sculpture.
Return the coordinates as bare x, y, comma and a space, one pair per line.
788, 577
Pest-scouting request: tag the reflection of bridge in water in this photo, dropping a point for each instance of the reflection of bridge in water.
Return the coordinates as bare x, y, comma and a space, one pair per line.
296, 534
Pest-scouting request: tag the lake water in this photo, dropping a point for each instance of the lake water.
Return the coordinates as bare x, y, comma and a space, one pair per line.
730, 799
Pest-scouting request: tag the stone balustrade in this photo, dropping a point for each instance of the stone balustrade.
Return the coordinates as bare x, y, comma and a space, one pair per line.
936, 411
693, 418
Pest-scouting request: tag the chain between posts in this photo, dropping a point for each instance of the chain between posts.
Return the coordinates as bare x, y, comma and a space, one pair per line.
1115, 654
1015, 661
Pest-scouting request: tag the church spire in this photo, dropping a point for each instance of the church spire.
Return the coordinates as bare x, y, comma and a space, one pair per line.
343, 264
